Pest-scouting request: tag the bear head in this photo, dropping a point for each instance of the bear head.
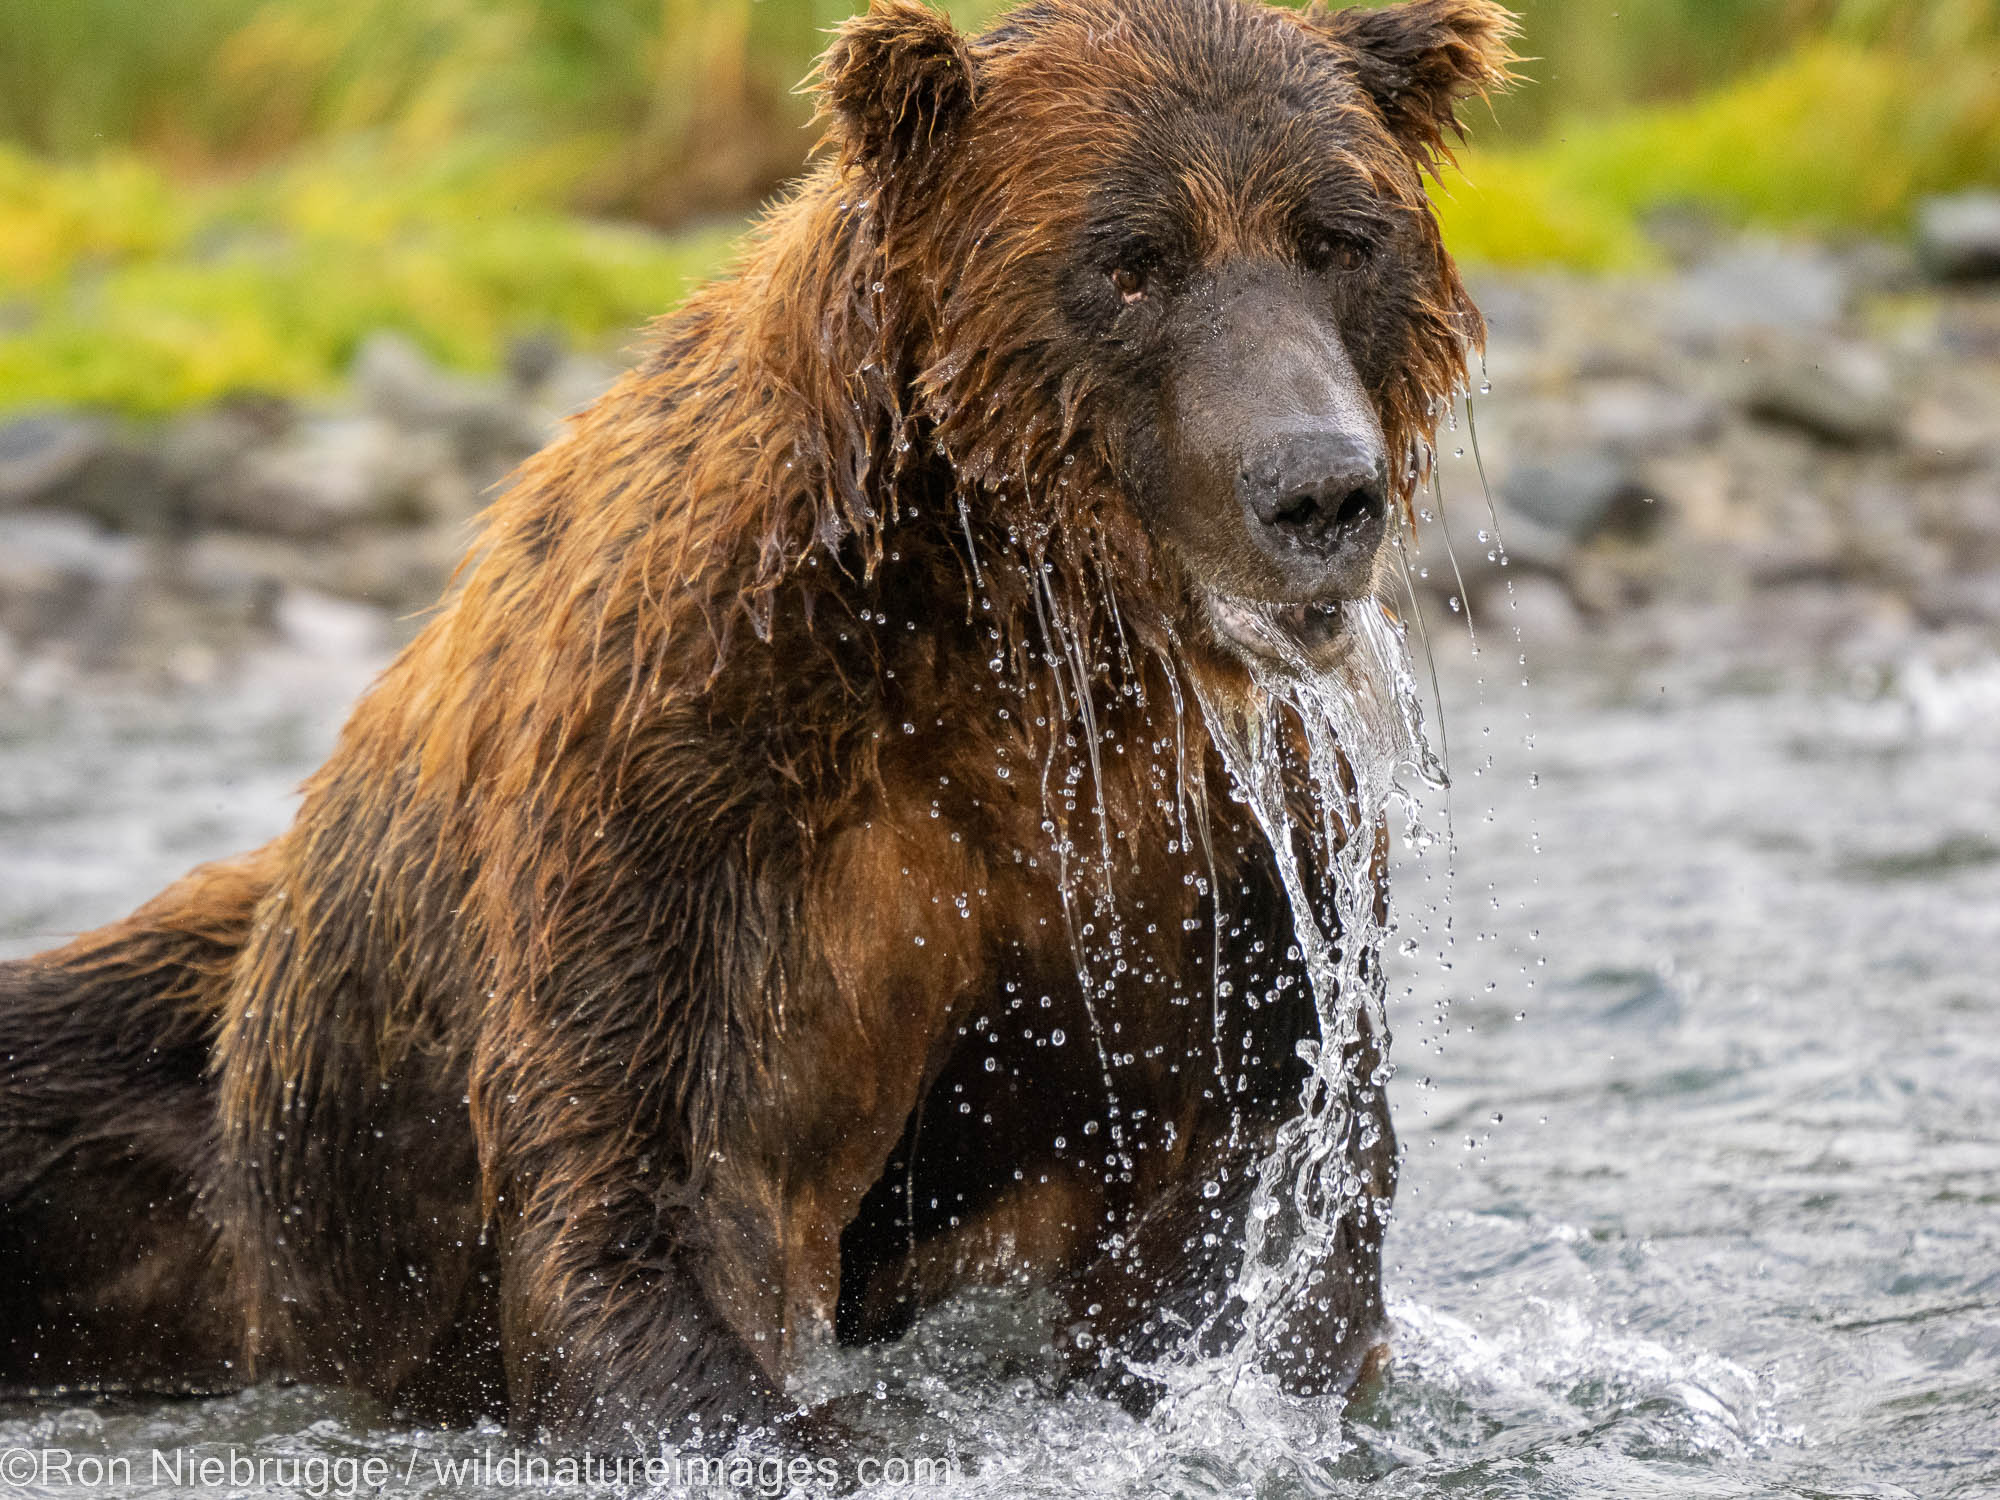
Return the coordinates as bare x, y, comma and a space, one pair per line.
1169, 266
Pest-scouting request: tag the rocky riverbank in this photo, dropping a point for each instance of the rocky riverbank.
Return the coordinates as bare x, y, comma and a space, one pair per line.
1778, 451
165, 553
1775, 451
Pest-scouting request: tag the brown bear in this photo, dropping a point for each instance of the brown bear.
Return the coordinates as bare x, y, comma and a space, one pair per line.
788, 881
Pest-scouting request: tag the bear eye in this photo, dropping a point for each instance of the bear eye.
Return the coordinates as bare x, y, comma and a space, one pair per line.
1129, 281
1331, 250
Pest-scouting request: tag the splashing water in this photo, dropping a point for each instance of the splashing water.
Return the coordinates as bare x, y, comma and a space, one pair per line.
1319, 754
1364, 749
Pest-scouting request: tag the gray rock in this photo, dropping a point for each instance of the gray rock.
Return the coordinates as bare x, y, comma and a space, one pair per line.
1818, 618
1886, 542
320, 626
1953, 431
1796, 537
532, 358
186, 622
333, 474
41, 543
1966, 598
1958, 238
202, 445
62, 575
1641, 417
490, 431
1576, 497
397, 380
1513, 308
1531, 545
75, 463
399, 572
569, 388
1761, 284
1963, 514
1876, 267
1843, 395
39, 453
105, 602
1687, 231
247, 597
1537, 606
266, 563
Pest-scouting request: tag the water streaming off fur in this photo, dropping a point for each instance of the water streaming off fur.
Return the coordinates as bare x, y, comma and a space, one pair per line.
1320, 754
1361, 731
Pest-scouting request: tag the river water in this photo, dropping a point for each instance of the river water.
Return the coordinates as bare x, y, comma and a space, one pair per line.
1699, 1089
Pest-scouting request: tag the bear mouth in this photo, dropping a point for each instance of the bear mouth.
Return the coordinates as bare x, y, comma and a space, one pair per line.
1300, 636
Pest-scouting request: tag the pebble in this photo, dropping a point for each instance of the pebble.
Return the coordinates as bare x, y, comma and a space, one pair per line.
1958, 238
1843, 394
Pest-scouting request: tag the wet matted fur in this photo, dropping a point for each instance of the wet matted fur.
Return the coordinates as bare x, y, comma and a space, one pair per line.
664, 971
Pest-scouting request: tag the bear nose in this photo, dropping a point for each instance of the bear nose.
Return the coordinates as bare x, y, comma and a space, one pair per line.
1321, 494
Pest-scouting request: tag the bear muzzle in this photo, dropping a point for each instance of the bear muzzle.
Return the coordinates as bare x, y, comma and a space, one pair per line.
1319, 501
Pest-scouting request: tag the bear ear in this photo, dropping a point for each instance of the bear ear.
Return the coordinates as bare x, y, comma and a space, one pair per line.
1419, 60
896, 80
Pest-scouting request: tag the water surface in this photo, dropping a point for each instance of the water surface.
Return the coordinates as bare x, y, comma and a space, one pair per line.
1702, 1189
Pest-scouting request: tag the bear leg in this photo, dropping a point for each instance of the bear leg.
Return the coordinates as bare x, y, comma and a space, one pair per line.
108, 1272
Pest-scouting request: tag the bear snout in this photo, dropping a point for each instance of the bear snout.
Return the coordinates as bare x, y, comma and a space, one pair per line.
1321, 499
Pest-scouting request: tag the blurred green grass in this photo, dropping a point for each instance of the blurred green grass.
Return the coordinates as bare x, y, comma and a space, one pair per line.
215, 196
137, 292
1837, 140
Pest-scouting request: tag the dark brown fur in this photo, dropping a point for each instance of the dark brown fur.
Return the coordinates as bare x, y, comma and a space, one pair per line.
616, 1018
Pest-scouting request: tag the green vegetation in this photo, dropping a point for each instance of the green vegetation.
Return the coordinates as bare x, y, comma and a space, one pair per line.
658, 108
216, 195
1836, 139
145, 295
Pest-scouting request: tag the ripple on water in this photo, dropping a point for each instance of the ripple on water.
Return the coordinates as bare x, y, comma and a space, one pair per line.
1736, 1233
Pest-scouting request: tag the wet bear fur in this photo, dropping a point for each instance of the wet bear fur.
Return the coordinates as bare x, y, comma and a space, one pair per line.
664, 973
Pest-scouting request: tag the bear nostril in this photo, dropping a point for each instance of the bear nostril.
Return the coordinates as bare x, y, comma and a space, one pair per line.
1316, 498
1327, 511
1300, 509
1360, 507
